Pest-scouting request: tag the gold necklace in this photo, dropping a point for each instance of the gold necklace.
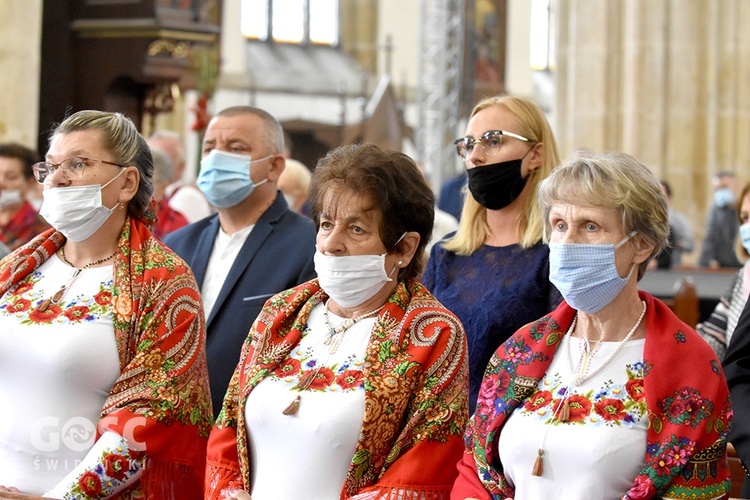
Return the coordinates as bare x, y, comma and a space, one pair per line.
306, 380
58, 295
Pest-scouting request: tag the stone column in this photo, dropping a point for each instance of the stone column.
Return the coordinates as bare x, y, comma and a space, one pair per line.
667, 81
20, 63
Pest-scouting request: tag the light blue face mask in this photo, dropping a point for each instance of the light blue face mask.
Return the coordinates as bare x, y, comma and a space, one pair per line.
586, 275
723, 197
225, 178
745, 235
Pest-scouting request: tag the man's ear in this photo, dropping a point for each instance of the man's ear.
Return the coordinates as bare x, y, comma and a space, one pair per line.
278, 163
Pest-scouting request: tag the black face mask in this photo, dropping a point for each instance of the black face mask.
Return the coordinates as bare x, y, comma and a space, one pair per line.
496, 186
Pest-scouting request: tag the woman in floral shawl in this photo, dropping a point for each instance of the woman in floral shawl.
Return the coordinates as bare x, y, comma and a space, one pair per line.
611, 395
353, 385
102, 343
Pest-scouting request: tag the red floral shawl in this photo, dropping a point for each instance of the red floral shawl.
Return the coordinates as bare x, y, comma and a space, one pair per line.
686, 397
161, 398
416, 391
22, 227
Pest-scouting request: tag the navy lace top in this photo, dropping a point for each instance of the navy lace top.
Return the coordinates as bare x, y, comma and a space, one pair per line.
494, 292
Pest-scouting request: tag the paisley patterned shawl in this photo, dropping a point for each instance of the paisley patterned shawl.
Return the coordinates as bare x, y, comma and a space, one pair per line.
161, 399
416, 389
686, 397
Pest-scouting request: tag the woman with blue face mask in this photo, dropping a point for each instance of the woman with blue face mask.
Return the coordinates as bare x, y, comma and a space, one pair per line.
717, 330
352, 385
610, 395
102, 342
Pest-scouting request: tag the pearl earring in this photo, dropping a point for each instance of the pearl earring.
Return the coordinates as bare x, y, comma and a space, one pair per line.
400, 262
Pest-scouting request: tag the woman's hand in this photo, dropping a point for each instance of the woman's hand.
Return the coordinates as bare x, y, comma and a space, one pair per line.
9, 489
240, 495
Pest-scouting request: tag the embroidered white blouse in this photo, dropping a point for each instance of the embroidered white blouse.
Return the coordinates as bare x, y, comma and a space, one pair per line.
598, 452
56, 371
310, 450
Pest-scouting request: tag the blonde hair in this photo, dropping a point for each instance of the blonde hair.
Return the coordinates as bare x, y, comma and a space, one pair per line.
611, 180
121, 138
473, 228
297, 176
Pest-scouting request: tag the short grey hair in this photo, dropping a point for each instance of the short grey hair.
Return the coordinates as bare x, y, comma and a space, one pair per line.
174, 137
162, 166
274, 134
611, 180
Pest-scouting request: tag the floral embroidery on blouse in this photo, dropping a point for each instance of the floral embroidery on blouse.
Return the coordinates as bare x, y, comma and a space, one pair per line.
162, 393
415, 379
687, 406
114, 467
302, 362
611, 405
22, 300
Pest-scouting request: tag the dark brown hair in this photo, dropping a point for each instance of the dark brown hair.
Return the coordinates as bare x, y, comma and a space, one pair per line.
27, 156
395, 186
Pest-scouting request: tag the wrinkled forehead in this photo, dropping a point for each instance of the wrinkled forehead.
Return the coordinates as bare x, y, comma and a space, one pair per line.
569, 191
342, 202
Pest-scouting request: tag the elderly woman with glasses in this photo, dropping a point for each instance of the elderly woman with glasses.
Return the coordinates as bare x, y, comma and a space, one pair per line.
610, 395
493, 272
102, 342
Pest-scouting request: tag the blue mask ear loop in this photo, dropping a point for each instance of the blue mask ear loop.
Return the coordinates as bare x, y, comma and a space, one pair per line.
621, 243
399, 262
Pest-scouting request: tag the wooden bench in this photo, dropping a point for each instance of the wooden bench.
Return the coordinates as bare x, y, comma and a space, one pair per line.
685, 302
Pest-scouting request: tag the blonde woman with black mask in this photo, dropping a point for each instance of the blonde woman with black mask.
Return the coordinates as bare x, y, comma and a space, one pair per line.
493, 272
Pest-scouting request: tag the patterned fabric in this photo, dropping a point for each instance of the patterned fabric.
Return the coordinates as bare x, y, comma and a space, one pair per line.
161, 398
116, 467
22, 227
415, 381
21, 300
686, 398
717, 330
608, 405
334, 373
494, 292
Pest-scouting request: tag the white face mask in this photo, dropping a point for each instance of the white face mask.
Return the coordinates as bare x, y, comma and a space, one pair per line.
351, 280
76, 211
10, 197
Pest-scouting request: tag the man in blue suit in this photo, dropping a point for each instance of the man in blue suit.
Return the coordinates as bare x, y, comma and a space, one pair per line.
254, 247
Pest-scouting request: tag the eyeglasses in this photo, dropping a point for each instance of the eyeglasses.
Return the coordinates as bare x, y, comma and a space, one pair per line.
72, 168
491, 142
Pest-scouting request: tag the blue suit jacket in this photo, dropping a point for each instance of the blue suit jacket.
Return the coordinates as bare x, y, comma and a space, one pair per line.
277, 255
